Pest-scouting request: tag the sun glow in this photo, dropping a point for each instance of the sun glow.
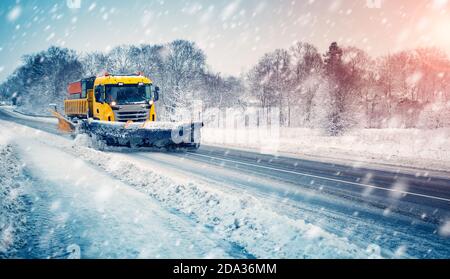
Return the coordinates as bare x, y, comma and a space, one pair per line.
440, 34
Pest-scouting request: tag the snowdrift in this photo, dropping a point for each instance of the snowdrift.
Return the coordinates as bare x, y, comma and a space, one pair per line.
12, 203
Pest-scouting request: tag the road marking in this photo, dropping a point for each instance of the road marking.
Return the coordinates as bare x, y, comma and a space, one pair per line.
326, 178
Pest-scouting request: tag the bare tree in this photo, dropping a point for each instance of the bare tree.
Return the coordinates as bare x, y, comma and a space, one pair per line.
260, 84
306, 68
121, 60
95, 63
184, 65
270, 81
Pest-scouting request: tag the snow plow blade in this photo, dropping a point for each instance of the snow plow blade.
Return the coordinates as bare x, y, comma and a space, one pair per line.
64, 125
165, 135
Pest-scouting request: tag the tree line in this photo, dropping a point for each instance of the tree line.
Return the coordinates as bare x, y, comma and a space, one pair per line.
346, 88
335, 91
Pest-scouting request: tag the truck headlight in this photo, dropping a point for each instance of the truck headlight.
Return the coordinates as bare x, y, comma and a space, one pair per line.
113, 104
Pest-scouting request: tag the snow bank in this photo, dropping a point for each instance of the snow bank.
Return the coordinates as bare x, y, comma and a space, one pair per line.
12, 205
240, 219
429, 149
243, 220
11, 111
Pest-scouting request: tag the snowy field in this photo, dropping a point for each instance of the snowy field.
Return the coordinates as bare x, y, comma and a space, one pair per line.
96, 201
425, 149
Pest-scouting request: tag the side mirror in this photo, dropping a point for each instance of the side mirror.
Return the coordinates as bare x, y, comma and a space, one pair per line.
156, 96
53, 106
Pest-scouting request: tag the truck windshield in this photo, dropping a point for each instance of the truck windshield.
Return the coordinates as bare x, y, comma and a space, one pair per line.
128, 93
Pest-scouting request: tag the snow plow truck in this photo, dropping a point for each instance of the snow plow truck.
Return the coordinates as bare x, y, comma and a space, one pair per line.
119, 110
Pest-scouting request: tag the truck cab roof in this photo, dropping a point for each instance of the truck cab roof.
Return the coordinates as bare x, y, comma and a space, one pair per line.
125, 79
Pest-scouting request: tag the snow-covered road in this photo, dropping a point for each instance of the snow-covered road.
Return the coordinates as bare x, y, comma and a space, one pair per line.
364, 223
142, 204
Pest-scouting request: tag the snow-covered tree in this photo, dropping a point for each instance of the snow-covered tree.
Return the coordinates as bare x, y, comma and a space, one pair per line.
184, 66
360, 69
435, 115
94, 63
149, 59
270, 81
342, 81
221, 92
306, 69
259, 82
322, 104
43, 79
389, 91
121, 60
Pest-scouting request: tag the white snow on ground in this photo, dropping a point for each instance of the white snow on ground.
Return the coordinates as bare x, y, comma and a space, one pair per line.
12, 207
427, 149
242, 219
84, 204
125, 219
444, 230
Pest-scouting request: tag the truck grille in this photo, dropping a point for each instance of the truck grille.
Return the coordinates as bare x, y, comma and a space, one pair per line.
135, 116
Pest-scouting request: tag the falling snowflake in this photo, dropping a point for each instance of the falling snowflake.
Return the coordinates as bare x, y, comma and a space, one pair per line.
14, 14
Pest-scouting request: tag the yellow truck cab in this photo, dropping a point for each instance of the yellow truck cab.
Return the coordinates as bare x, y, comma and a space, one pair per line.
115, 98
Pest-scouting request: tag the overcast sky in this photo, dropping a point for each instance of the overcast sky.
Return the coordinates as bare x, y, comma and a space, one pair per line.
234, 34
